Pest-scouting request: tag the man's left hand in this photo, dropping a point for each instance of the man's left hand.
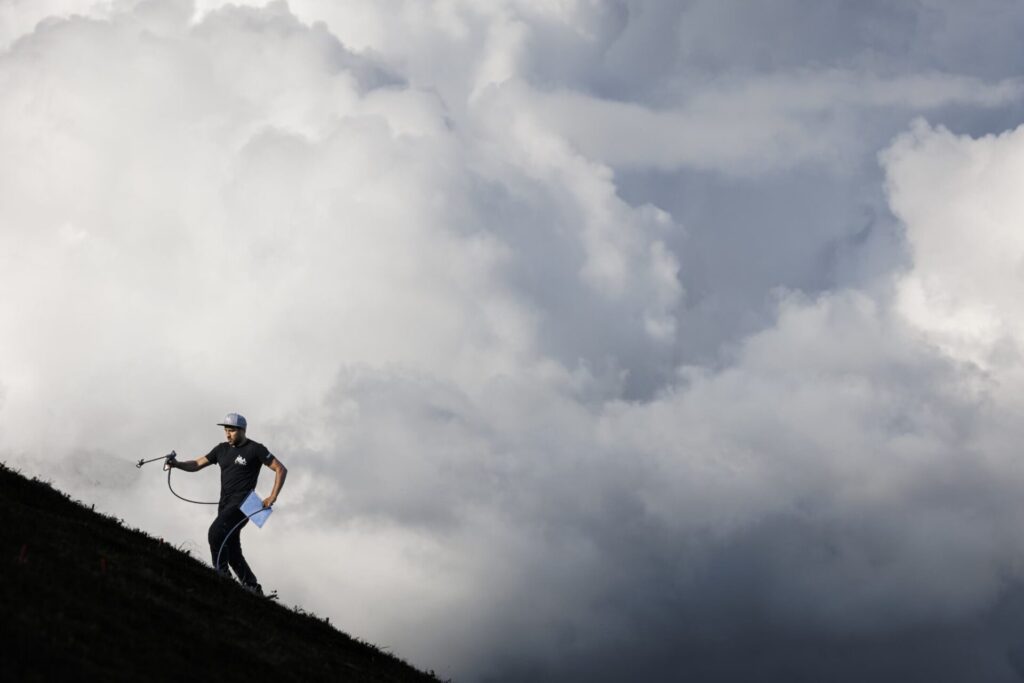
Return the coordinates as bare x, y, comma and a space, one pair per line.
268, 501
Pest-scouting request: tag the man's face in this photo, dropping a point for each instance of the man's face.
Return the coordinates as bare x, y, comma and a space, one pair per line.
234, 435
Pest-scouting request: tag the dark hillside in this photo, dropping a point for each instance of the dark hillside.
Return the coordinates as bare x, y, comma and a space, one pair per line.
85, 598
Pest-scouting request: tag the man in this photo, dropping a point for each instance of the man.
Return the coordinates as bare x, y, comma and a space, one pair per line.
240, 460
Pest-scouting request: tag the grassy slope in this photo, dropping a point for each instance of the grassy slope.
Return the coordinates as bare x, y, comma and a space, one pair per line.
84, 597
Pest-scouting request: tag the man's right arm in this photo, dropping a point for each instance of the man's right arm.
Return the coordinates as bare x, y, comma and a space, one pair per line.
189, 465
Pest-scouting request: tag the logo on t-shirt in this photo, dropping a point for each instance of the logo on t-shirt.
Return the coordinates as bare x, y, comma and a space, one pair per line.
240, 461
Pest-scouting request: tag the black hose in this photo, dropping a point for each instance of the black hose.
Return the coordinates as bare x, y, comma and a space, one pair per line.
187, 500
216, 565
171, 456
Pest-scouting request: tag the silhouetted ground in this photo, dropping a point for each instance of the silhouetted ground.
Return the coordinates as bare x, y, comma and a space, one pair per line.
85, 598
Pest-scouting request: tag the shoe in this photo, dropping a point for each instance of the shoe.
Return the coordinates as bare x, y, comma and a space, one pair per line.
254, 588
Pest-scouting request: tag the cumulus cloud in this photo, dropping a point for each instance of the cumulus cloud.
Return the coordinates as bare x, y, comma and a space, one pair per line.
967, 253
579, 373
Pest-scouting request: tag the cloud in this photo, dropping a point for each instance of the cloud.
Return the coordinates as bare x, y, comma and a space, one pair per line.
578, 373
964, 287
750, 127
833, 474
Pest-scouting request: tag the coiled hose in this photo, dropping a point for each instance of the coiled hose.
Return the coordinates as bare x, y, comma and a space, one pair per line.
174, 456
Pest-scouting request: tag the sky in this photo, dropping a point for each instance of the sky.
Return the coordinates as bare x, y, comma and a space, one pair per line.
603, 340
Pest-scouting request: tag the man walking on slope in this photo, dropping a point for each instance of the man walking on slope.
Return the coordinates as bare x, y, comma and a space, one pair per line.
240, 459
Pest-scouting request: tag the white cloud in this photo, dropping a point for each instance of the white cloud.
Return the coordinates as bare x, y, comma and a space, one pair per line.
19, 17
397, 236
959, 201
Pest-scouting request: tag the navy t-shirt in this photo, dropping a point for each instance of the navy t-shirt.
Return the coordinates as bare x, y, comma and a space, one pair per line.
239, 469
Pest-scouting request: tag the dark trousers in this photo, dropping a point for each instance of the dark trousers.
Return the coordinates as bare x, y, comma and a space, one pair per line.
232, 553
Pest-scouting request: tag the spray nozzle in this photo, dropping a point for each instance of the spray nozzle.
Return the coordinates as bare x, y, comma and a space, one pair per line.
170, 456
